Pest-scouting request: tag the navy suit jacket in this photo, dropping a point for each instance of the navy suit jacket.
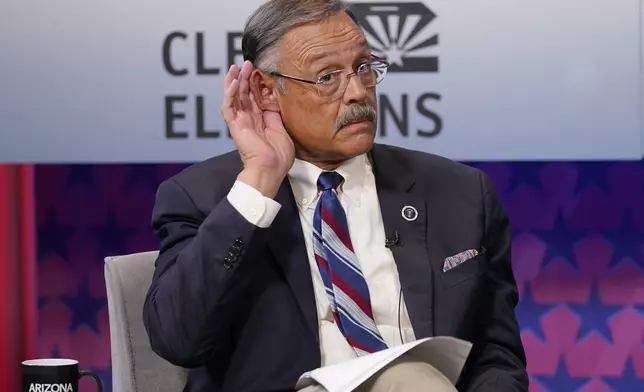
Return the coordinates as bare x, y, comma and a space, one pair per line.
234, 303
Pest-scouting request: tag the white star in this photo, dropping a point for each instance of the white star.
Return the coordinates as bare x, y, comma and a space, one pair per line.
394, 55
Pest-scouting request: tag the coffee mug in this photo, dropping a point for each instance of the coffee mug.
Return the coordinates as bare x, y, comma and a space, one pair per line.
54, 375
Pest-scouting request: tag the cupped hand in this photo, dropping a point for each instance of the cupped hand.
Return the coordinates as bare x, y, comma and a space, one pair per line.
260, 136
266, 149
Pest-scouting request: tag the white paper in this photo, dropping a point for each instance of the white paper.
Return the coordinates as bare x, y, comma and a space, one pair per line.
446, 354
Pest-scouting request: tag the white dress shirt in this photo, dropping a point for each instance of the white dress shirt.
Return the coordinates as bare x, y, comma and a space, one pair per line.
359, 198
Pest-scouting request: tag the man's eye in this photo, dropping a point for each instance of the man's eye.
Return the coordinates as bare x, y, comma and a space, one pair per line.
364, 67
326, 79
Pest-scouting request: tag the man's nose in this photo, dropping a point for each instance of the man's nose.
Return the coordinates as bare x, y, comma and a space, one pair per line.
355, 90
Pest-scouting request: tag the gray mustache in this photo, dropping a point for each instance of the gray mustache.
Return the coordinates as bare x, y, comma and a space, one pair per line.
360, 112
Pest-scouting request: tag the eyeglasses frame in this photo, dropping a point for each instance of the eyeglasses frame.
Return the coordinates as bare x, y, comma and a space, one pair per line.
348, 76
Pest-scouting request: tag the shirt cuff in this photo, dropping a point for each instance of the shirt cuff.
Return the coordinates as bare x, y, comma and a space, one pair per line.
252, 205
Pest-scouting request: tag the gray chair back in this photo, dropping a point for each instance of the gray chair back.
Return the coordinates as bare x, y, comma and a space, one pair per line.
135, 367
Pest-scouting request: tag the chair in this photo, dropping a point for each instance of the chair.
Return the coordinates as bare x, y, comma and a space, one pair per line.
135, 367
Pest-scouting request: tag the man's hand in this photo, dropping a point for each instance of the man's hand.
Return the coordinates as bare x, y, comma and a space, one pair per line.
265, 147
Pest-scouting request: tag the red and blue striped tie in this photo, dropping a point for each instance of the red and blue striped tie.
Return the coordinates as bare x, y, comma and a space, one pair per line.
345, 285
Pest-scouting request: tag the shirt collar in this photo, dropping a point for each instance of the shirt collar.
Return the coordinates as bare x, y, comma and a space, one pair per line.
303, 177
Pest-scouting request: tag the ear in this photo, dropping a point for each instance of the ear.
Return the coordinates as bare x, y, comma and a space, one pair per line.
264, 90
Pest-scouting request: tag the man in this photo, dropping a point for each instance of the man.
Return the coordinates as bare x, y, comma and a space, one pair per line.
310, 245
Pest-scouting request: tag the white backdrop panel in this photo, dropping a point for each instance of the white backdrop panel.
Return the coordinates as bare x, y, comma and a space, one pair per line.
515, 80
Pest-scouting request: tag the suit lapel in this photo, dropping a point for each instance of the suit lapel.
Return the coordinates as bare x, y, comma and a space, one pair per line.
286, 241
395, 184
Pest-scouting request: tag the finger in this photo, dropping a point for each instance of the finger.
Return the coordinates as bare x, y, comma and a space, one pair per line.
244, 85
254, 105
232, 74
241, 132
247, 67
273, 120
229, 105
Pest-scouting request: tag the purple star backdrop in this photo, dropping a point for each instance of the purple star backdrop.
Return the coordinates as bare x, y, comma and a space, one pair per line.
578, 259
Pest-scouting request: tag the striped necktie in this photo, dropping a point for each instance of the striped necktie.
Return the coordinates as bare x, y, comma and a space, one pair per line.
345, 285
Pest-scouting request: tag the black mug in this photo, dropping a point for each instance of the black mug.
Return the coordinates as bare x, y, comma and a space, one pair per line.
54, 375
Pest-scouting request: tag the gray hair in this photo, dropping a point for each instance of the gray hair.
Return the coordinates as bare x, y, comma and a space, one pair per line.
272, 20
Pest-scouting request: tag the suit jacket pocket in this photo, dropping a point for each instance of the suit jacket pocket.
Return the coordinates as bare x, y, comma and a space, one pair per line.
466, 270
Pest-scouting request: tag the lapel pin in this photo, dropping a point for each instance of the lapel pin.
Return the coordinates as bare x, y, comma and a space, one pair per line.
409, 213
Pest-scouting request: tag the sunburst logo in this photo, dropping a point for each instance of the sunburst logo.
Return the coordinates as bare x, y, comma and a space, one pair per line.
400, 32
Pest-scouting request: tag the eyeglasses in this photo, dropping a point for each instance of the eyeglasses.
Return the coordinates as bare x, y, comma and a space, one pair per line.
332, 85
